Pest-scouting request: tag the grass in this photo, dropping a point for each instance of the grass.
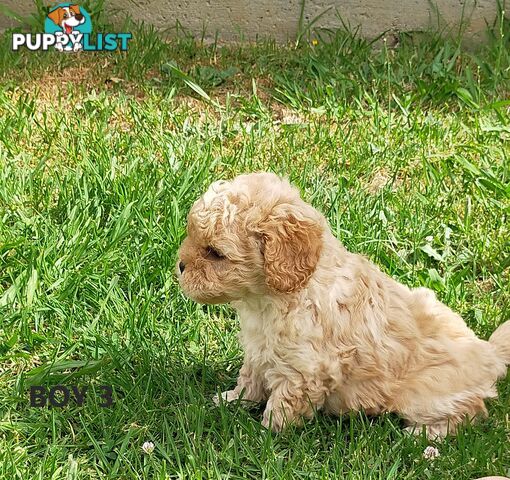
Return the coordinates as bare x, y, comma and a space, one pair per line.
405, 150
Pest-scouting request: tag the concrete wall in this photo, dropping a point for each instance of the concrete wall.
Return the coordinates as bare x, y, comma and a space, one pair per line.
278, 19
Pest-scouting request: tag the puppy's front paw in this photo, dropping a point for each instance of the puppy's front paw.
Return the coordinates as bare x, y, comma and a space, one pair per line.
226, 397
435, 431
273, 420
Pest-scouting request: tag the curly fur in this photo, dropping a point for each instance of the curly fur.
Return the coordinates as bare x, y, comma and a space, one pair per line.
291, 247
323, 328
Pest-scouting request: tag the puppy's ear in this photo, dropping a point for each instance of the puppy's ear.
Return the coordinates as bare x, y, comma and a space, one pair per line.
292, 244
57, 15
75, 9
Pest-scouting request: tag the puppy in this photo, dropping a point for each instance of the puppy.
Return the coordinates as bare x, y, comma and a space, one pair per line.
67, 18
323, 328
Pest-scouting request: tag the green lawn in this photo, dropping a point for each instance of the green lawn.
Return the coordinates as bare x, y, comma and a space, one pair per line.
407, 152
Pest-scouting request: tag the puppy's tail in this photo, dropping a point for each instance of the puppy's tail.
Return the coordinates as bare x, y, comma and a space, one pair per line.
501, 341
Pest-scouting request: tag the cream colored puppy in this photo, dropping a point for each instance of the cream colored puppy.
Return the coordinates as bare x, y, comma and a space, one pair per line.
323, 328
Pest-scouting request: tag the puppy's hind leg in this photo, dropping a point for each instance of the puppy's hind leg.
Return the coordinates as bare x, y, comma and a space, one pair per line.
438, 428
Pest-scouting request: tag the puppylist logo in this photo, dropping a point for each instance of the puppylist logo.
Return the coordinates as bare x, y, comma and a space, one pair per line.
68, 28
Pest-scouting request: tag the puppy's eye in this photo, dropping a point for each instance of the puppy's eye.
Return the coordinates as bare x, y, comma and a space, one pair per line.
213, 254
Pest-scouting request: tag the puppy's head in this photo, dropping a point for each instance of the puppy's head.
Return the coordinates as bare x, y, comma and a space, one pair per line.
252, 235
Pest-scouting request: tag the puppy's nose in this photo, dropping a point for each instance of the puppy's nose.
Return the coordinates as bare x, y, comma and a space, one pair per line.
181, 266
79, 17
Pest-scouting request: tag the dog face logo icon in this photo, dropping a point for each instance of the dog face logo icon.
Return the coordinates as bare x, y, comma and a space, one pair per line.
67, 17
68, 22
